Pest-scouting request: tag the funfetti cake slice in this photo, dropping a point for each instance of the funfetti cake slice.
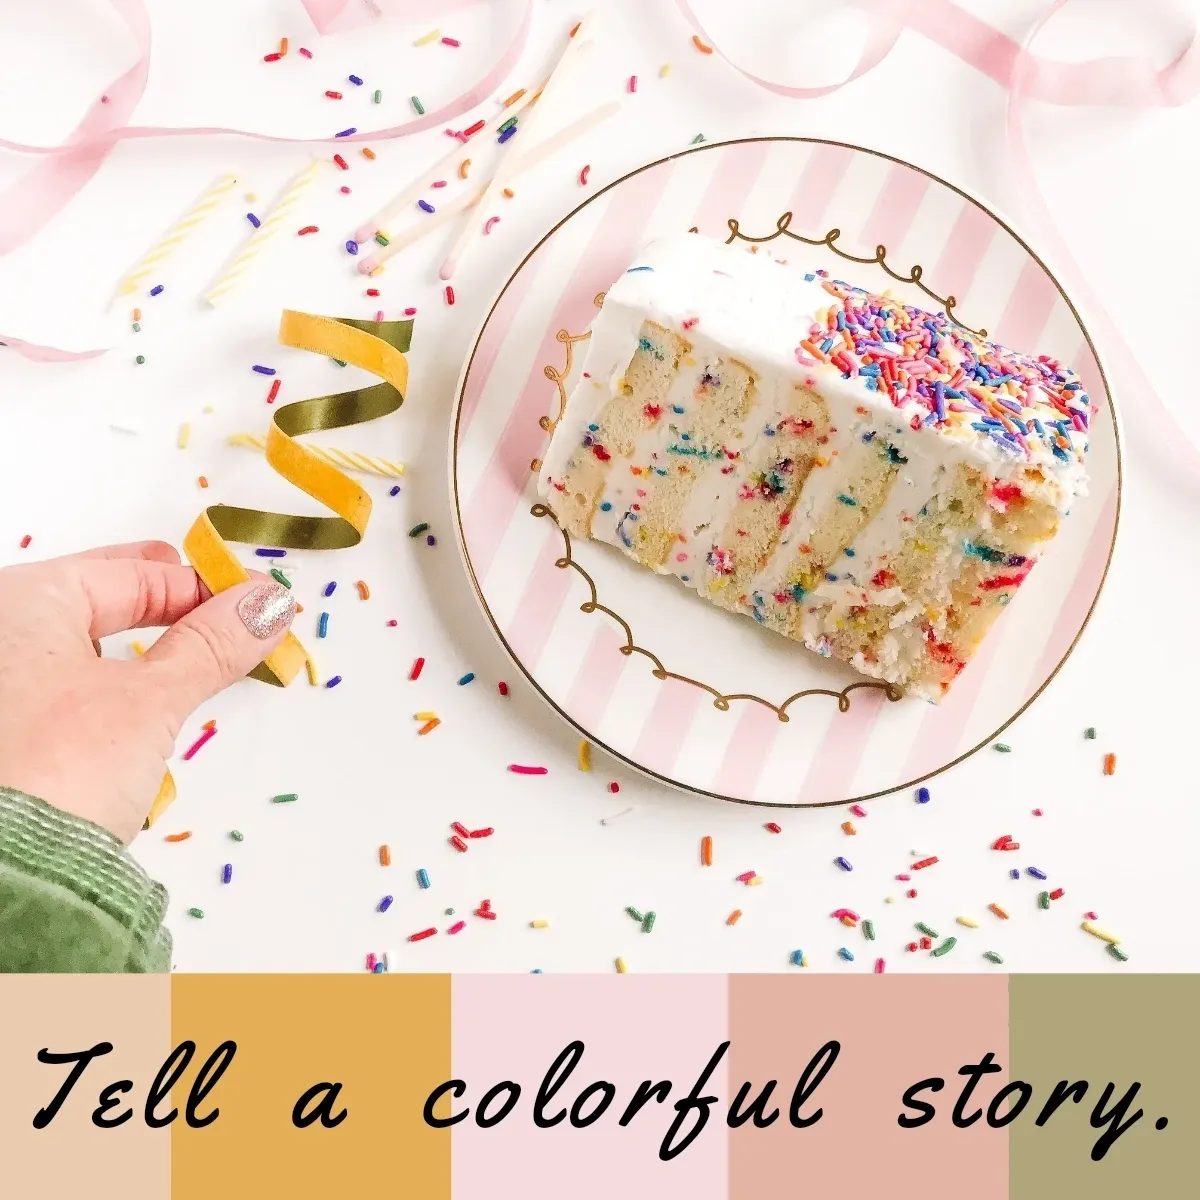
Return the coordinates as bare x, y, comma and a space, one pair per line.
854, 473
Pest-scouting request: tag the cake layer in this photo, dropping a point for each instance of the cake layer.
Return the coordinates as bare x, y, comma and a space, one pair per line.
854, 473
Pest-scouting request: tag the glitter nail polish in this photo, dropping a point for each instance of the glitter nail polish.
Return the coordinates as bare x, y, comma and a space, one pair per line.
266, 610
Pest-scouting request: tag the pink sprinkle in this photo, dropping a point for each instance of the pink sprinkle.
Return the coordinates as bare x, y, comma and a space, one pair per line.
633, 83
879, 966
306, 53
371, 960
457, 927
379, 315
805, 361
904, 877
487, 225
744, 876
1037, 812
858, 810
844, 912
410, 312
1091, 916
438, 183
691, 322
392, 624
451, 42
517, 769
344, 190
191, 750
103, 99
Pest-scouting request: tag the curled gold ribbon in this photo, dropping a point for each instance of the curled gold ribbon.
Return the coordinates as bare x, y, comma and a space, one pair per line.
376, 346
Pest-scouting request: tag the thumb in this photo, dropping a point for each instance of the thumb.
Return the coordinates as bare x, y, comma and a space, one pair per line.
219, 642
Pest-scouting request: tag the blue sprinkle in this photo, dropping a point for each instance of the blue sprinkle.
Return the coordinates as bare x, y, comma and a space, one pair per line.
509, 132
769, 431
253, 220
424, 204
1035, 872
354, 79
606, 506
323, 625
227, 873
536, 971
810, 278
676, 408
849, 501
684, 578
430, 540
385, 904
831, 576
377, 969
685, 437
156, 290
346, 132
1014, 874
352, 247
632, 269
849, 552
395, 491
263, 370
843, 863
825, 345
923, 795
797, 958
330, 588
333, 682
423, 878
846, 954
264, 553
594, 427
466, 679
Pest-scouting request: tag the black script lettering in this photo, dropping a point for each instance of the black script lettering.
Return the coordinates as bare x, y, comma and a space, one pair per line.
998, 1120
821, 1063
1113, 1119
1063, 1092
565, 1063
457, 1089
108, 1099
737, 1118
927, 1111
514, 1094
80, 1058
206, 1079
986, 1066
693, 1100
601, 1087
167, 1077
323, 1111
646, 1091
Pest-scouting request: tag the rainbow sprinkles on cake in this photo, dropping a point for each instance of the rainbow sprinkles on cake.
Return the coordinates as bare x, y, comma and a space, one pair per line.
854, 473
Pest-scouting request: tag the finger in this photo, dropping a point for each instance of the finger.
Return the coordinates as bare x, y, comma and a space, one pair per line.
130, 593
219, 642
150, 551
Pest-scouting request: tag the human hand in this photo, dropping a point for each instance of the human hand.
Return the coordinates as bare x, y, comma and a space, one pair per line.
92, 735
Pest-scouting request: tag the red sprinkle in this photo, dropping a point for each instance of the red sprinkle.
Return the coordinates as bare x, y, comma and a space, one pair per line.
275, 386
583, 175
306, 53
614, 787
272, 57
417, 668
460, 828
1091, 916
472, 129
420, 937
478, 833
879, 966
744, 876
25, 541
502, 688
773, 828
334, 95
458, 844
911, 893
341, 162
912, 946
372, 291
925, 862
926, 944
308, 229
1057, 894
393, 624
1037, 812
485, 913
449, 294
410, 312
517, 769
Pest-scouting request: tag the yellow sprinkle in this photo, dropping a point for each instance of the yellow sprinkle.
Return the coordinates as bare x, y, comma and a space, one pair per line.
664, 70
137, 648
185, 432
755, 881
431, 36
311, 668
889, 899
424, 716
208, 408
1088, 927
620, 965
968, 922
379, 270
539, 924
585, 755
251, 196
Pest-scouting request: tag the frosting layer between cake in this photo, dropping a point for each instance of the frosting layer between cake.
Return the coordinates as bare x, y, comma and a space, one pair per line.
854, 473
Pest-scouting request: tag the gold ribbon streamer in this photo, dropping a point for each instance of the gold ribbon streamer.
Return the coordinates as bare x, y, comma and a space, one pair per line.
376, 346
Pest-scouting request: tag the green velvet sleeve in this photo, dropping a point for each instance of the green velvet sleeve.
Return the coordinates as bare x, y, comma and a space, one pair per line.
71, 897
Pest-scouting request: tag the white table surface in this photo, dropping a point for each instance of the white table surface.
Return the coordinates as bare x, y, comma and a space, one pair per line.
306, 879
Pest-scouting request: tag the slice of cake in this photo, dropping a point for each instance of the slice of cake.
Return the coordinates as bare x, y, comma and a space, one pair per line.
855, 473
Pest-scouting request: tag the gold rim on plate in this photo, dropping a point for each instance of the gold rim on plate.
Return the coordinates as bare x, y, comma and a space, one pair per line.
914, 276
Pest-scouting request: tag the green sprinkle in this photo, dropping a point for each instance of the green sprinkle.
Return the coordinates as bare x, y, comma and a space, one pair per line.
507, 125
284, 798
1002, 747
338, 361
417, 530
237, 835
1117, 952
926, 930
416, 103
198, 913
868, 928
138, 329
280, 577
378, 95
382, 239
141, 358
992, 956
945, 947
648, 923
1043, 899
633, 912
1089, 732
449, 912
697, 139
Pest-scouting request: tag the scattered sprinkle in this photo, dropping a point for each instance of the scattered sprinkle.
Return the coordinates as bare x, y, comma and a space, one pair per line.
518, 769
354, 79
306, 52
140, 359
1002, 747
190, 752
285, 798
843, 863
632, 85
858, 810
347, 132
463, 167
275, 386
237, 835
772, 827
198, 913
925, 862
697, 139
417, 667
1117, 952
734, 917
385, 856
157, 290
425, 39
307, 230
664, 70
323, 625
614, 787
992, 956
706, 845
420, 937
351, 247
923, 795
848, 828
945, 947
1035, 872
583, 175
585, 755
253, 220
1088, 927
416, 103
700, 45
425, 206
1110, 764
927, 930
1090, 733
417, 530
25, 541
178, 837
341, 162
429, 726
334, 95
489, 224
846, 953
868, 930
969, 922
1043, 899
467, 678
449, 294
621, 967
331, 683
451, 42
798, 959
998, 911
369, 154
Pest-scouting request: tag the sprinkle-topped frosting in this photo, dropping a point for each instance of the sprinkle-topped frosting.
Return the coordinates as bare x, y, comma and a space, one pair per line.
963, 383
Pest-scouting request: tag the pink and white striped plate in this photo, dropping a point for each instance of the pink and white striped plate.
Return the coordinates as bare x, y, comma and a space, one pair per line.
676, 687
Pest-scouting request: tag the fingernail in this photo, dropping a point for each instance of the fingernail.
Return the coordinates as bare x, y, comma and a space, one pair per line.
267, 609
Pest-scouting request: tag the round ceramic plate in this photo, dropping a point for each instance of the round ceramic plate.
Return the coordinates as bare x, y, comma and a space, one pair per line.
680, 689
